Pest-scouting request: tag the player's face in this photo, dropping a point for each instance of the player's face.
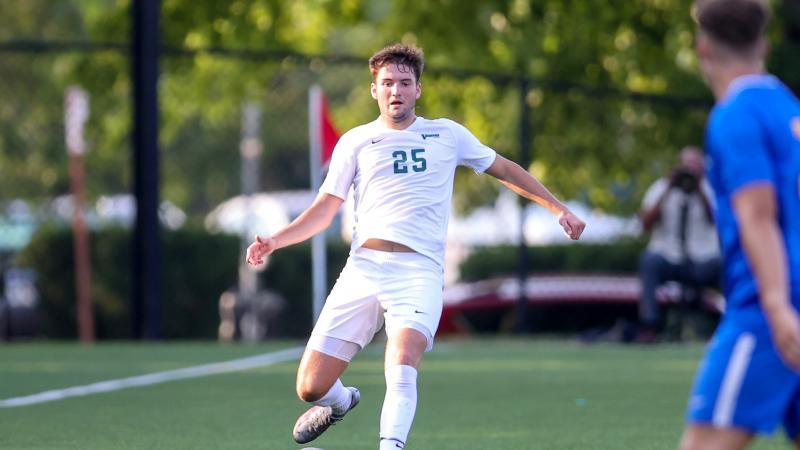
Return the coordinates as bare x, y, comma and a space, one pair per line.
396, 90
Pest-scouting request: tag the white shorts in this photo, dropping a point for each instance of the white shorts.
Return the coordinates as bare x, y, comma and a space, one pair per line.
404, 289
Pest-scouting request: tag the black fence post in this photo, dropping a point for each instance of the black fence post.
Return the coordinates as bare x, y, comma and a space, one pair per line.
146, 280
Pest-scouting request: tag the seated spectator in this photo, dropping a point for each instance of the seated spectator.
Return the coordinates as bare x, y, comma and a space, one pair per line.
677, 211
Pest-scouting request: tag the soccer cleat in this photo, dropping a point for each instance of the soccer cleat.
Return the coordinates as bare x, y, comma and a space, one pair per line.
317, 419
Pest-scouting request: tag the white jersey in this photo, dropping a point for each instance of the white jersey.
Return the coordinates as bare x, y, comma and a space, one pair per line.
403, 180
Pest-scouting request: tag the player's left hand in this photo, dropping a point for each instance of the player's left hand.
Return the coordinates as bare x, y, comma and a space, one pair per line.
572, 225
785, 327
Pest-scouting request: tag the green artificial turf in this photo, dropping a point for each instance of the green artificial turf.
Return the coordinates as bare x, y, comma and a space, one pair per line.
473, 394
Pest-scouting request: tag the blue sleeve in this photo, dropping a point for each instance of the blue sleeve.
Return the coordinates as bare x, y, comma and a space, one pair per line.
741, 151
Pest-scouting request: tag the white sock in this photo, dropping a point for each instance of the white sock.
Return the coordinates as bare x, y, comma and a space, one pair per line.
338, 398
399, 406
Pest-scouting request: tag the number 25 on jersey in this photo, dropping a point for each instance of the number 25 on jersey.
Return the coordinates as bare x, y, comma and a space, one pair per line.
417, 164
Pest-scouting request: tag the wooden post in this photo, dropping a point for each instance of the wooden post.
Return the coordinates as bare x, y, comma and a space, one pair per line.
76, 112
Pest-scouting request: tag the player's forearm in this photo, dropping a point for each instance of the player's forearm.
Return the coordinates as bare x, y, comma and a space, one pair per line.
312, 221
763, 244
524, 184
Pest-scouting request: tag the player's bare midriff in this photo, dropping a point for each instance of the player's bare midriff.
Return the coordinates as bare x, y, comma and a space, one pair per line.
386, 246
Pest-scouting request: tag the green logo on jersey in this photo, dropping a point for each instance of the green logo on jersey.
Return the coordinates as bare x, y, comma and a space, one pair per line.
430, 135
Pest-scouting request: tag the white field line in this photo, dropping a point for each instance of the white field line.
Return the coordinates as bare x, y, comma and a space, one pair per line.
154, 378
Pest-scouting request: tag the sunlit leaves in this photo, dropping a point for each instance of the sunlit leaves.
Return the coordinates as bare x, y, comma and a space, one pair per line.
592, 138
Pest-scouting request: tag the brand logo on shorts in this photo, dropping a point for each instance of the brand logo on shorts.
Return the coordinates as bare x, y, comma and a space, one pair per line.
795, 126
419, 312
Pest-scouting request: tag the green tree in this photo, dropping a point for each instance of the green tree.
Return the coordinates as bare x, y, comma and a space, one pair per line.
608, 91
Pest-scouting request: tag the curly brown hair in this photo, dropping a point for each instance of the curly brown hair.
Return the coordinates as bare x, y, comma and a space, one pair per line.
738, 24
402, 55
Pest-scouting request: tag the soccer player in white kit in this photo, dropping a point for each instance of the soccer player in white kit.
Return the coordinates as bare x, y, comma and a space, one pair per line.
401, 168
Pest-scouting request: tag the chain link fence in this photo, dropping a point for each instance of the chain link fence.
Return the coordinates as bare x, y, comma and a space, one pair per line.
565, 133
574, 132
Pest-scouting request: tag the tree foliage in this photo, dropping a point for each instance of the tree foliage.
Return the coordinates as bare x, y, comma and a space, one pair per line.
608, 88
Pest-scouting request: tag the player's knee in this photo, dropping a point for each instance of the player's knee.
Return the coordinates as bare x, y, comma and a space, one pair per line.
406, 348
686, 443
707, 438
701, 438
403, 358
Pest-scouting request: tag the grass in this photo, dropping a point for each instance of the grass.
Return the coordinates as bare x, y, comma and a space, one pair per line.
475, 394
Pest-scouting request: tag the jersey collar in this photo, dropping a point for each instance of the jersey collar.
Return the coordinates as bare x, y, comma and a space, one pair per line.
749, 81
412, 125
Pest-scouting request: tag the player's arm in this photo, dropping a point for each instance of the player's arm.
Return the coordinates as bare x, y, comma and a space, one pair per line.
762, 240
523, 183
313, 220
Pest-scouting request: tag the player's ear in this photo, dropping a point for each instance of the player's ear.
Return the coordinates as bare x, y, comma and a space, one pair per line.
374, 91
703, 46
419, 90
762, 49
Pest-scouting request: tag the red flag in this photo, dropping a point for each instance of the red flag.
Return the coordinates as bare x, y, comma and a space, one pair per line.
329, 134
322, 139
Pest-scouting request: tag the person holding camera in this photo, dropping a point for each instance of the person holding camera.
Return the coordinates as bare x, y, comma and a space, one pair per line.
677, 211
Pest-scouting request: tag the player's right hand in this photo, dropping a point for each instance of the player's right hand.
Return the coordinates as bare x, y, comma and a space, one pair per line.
260, 248
785, 328
572, 225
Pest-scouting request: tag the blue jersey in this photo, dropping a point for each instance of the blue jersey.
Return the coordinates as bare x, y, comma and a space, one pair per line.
753, 136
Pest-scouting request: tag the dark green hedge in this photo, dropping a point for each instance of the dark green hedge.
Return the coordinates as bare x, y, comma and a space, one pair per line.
614, 257
198, 267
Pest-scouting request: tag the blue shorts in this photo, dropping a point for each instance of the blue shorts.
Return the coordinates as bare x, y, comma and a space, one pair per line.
742, 382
